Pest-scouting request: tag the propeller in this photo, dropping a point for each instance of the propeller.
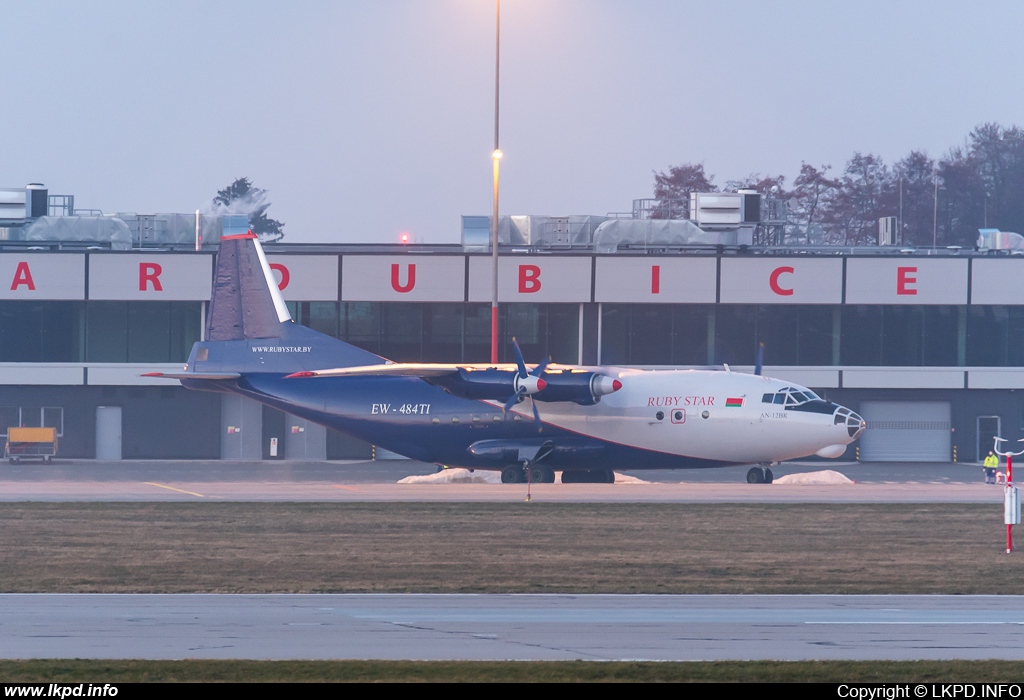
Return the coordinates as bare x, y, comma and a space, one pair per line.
759, 363
527, 382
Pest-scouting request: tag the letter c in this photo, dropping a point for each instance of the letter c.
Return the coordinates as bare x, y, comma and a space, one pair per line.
773, 281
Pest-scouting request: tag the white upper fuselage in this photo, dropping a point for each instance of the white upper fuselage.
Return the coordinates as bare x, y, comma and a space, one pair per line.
713, 415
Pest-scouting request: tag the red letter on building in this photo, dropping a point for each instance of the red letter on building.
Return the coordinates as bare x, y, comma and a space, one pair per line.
150, 273
285, 275
773, 281
655, 279
410, 281
23, 276
529, 279
904, 280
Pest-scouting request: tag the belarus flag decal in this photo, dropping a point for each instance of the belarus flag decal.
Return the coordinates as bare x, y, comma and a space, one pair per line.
734, 403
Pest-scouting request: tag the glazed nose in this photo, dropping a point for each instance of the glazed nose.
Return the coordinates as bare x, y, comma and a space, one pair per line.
854, 424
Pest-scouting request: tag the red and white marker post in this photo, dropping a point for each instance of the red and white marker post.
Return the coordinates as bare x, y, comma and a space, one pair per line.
1011, 494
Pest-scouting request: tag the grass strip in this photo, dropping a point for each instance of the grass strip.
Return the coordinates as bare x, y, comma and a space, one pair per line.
505, 548
86, 671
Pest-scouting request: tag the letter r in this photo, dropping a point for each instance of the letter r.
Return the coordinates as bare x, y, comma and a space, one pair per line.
149, 273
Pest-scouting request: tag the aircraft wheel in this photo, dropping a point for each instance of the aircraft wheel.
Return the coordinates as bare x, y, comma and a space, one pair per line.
609, 476
756, 475
768, 476
513, 475
542, 475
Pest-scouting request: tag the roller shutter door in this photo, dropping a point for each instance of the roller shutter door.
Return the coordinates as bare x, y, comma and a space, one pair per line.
906, 431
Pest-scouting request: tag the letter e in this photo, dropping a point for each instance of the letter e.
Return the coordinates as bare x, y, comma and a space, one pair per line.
906, 283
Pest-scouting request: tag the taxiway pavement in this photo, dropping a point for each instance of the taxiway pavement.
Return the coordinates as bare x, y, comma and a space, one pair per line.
507, 627
89, 480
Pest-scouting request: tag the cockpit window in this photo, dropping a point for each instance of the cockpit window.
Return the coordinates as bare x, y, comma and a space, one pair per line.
790, 396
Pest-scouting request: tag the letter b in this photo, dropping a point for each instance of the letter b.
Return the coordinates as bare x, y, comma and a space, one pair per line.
529, 279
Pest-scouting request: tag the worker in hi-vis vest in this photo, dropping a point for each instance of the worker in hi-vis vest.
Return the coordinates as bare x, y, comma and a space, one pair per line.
990, 465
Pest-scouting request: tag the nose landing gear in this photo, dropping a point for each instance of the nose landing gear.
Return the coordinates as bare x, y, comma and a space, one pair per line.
760, 475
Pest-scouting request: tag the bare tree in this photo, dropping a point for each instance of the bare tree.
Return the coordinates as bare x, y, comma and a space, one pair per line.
676, 187
812, 192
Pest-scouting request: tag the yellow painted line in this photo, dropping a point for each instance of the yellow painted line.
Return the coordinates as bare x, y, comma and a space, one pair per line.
171, 488
347, 488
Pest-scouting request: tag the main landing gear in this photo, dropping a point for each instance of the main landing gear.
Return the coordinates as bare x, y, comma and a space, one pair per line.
760, 475
540, 474
516, 474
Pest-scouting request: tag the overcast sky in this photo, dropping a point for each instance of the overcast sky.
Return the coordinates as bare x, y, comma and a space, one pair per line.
365, 119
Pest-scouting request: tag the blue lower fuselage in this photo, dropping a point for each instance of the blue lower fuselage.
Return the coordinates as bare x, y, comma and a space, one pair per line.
408, 416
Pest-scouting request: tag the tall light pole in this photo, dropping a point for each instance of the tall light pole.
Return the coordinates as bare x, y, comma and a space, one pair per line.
496, 159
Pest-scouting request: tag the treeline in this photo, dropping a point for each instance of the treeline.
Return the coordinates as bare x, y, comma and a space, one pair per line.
977, 185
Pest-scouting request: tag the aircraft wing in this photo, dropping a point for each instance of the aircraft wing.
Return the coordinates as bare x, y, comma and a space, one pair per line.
391, 369
507, 383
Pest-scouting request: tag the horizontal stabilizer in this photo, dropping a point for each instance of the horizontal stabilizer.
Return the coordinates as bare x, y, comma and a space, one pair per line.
193, 375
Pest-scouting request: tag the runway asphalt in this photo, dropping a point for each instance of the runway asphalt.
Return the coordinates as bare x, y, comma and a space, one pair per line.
89, 480
511, 627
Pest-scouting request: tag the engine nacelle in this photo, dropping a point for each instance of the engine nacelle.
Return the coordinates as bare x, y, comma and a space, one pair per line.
491, 383
583, 387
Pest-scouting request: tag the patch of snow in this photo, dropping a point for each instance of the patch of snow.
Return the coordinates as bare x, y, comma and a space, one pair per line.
455, 476
626, 479
814, 478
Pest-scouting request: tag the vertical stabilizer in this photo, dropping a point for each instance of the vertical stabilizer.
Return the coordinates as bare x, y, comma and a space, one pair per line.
246, 301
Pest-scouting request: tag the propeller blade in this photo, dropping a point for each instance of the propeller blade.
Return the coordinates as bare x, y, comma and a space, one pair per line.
536, 416
760, 359
513, 400
519, 359
539, 369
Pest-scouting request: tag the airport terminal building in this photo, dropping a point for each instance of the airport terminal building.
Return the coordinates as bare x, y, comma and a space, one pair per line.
927, 345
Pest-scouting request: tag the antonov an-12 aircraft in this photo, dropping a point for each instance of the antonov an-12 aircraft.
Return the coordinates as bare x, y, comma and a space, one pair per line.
525, 422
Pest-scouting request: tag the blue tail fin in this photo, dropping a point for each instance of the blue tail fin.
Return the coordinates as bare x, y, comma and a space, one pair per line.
245, 303
249, 328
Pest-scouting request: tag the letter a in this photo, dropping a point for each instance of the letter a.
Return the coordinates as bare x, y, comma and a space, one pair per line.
149, 273
410, 280
529, 279
23, 276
